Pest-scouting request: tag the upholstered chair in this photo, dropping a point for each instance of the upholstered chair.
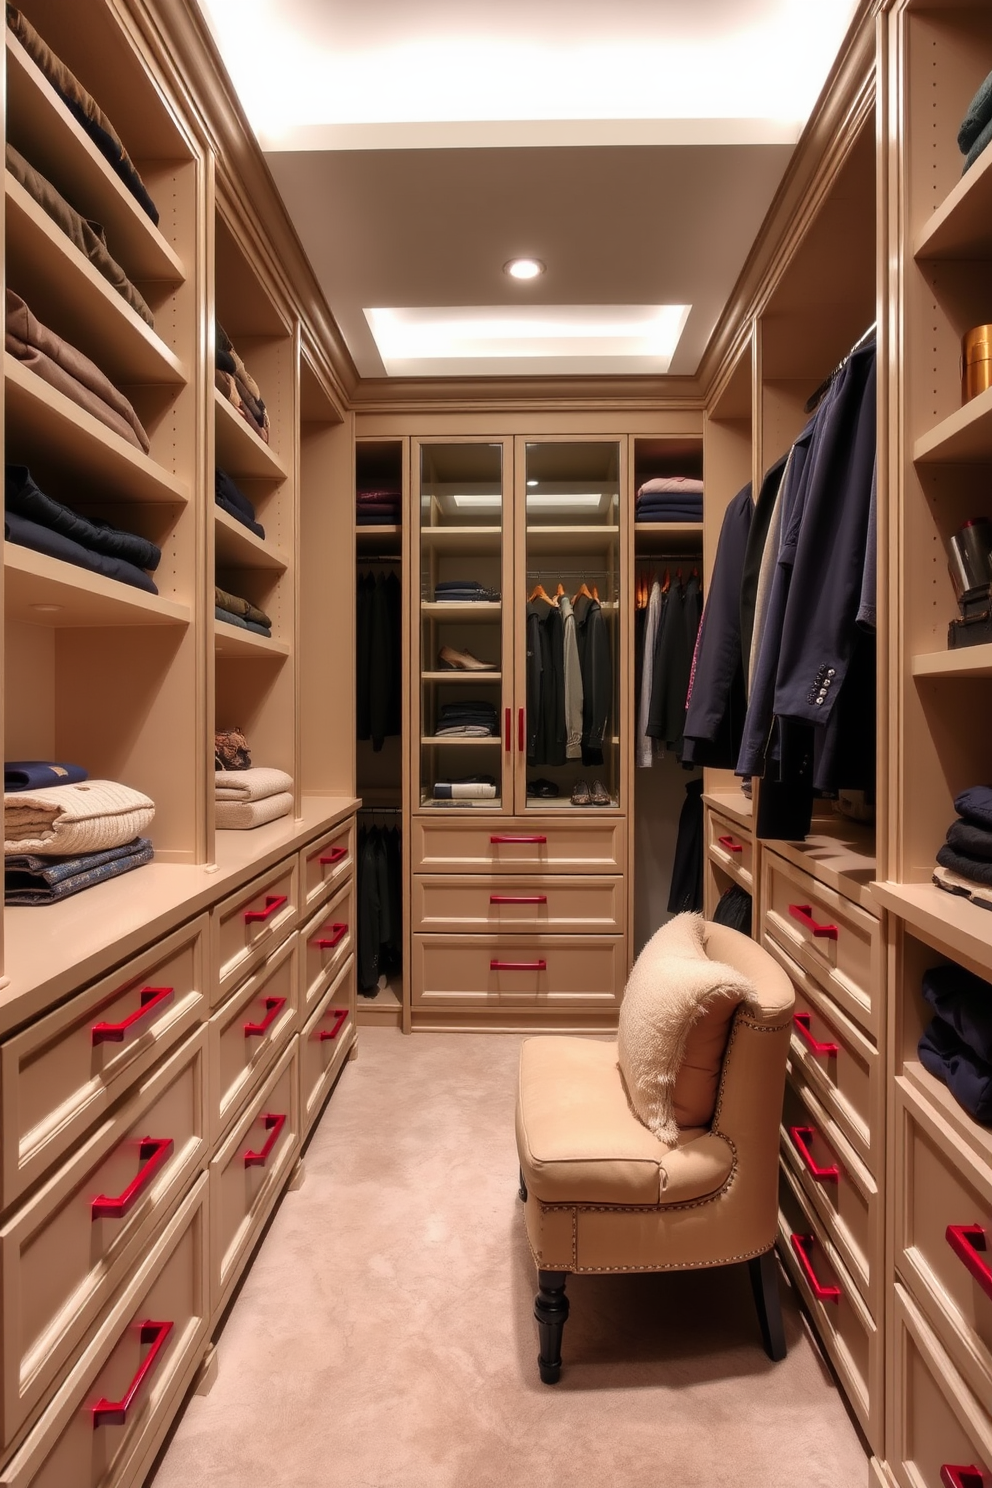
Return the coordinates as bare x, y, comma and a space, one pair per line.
604, 1194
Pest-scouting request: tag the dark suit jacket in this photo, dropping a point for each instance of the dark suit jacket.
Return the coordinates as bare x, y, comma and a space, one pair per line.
715, 714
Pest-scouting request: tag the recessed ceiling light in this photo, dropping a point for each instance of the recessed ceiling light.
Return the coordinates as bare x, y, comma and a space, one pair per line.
524, 268
46, 609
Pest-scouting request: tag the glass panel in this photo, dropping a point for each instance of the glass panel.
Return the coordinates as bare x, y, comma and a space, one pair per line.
461, 630
572, 508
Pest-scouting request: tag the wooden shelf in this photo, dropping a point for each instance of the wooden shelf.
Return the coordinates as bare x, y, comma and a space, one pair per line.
238, 448
482, 609
558, 541
470, 677
966, 661
236, 546
961, 227
459, 742
837, 852
965, 436
82, 598
40, 125
948, 922
937, 1095
661, 537
231, 640
467, 540
43, 422
734, 804
376, 537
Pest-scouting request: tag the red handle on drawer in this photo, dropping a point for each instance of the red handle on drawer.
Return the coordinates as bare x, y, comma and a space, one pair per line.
821, 1292
272, 903
273, 1007
518, 966
518, 898
966, 1241
340, 931
334, 856
506, 728
153, 1152
804, 914
274, 1124
341, 1015
800, 1136
730, 844
508, 837
151, 998
114, 1412
802, 1021
521, 741
962, 1477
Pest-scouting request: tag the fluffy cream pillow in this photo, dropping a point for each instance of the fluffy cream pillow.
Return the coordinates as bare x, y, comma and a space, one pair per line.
674, 1022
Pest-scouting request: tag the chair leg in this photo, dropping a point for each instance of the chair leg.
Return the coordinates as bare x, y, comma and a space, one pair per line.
551, 1311
522, 1190
764, 1284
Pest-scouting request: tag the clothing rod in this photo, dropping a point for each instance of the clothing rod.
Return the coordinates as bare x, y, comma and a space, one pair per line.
366, 560
815, 399
380, 811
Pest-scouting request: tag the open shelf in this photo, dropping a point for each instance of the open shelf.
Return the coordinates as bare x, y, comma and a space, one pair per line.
446, 742
472, 678
239, 450
965, 435
966, 661
465, 540
482, 609
231, 640
236, 546
570, 540
734, 804
949, 922
660, 537
76, 596
961, 227
376, 537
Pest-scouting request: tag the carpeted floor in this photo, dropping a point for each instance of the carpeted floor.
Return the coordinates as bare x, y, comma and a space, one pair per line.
385, 1338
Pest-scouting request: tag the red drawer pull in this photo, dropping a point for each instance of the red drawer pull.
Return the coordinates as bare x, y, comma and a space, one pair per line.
272, 903
153, 1152
730, 844
340, 931
521, 741
341, 1014
966, 1241
273, 1007
804, 914
114, 1412
151, 998
334, 856
506, 728
518, 898
962, 1477
274, 1124
802, 1021
518, 966
800, 1136
821, 1292
509, 837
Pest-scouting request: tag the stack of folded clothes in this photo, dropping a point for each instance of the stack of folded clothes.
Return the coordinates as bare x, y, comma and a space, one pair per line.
66, 836
467, 720
975, 134
73, 374
34, 520
463, 591
466, 788
234, 501
964, 863
240, 612
378, 507
956, 1047
238, 386
250, 798
670, 498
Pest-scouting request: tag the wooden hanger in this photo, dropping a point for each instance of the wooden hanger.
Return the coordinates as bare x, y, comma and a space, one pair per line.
595, 593
582, 590
559, 591
539, 593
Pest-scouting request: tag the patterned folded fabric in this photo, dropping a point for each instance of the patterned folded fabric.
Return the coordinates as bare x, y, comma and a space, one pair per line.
251, 785
19, 775
29, 879
72, 819
23, 496
237, 606
241, 816
953, 883
231, 750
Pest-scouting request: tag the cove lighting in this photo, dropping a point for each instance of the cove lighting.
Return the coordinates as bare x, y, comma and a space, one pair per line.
556, 502
524, 268
480, 503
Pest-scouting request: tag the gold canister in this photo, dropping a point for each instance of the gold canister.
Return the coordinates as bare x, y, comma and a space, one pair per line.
976, 373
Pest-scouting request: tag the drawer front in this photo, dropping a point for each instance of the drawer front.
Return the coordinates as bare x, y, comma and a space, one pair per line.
558, 846
326, 864
324, 1043
64, 1253
576, 905
536, 973
248, 925
938, 1423
800, 914
88, 1437
248, 1033
326, 942
63, 1072
248, 1172
732, 848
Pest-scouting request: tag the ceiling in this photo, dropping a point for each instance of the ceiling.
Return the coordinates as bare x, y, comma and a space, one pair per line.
633, 148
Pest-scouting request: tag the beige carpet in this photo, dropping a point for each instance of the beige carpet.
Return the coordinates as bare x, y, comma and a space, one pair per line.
385, 1336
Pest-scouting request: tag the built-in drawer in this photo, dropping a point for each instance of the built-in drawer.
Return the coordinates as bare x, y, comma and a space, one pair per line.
248, 925
248, 1172
60, 1074
835, 940
530, 972
324, 1043
941, 1433
561, 845
943, 1234
732, 848
65, 1251
110, 1414
326, 942
326, 863
578, 904
249, 1031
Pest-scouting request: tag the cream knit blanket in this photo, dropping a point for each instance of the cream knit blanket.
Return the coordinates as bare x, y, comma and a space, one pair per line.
71, 819
244, 815
250, 785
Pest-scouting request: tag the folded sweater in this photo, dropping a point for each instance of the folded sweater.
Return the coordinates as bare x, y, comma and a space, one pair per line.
72, 819
20, 775
250, 785
243, 815
974, 805
26, 534
23, 496
237, 606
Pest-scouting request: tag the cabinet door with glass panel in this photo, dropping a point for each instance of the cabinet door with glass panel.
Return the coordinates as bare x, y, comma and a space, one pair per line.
463, 544
568, 613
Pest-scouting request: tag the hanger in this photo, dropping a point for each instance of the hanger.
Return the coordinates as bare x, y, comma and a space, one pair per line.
583, 589
559, 592
595, 593
539, 593
815, 399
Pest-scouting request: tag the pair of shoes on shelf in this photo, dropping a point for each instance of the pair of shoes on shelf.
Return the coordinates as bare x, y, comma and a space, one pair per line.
450, 660
545, 789
596, 795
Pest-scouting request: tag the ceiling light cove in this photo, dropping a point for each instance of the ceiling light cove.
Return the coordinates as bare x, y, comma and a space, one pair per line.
524, 268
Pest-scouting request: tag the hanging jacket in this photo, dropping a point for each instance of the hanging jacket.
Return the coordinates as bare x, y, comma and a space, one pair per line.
656, 605
716, 700
596, 665
573, 683
549, 735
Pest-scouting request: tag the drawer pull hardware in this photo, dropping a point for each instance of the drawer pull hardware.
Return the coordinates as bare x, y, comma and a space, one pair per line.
152, 998
962, 1477
334, 856
500, 837
153, 1152
521, 741
341, 1014
518, 966
339, 932
966, 1241
507, 712
274, 1124
273, 1007
821, 1292
114, 1412
801, 1136
518, 898
801, 1022
804, 914
730, 844
272, 903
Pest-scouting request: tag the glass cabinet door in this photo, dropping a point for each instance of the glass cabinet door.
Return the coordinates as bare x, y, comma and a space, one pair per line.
463, 754
568, 673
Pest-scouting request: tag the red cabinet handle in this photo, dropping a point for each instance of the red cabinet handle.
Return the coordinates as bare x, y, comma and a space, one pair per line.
966, 1241
518, 898
340, 931
821, 1292
153, 1152
804, 914
506, 728
151, 998
341, 1015
274, 1124
730, 844
801, 1135
114, 1412
272, 903
521, 741
507, 837
273, 1007
334, 856
801, 1022
962, 1477
518, 966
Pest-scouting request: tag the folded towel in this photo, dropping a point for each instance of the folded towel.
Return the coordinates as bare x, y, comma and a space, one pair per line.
29, 879
972, 841
241, 816
22, 495
238, 606
19, 775
250, 785
974, 869
72, 819
26, 534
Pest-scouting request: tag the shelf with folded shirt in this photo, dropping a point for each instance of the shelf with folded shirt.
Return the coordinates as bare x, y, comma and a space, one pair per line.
951, 923
236, 546
231, 641
239, 449
41, 590
472, 610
